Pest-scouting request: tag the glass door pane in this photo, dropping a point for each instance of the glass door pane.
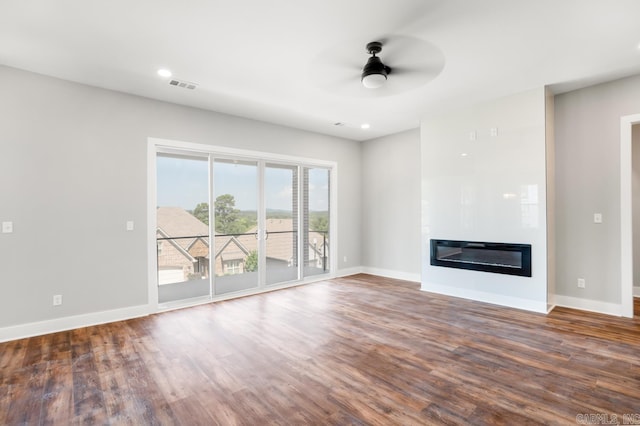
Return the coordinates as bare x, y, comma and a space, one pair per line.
182, 233
236, 225
315, 235
281, 224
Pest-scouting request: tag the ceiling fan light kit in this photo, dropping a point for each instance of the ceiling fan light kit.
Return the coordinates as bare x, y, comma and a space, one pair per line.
374, 73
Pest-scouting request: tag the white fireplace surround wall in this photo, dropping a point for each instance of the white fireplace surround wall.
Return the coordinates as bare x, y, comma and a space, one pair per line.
484, 178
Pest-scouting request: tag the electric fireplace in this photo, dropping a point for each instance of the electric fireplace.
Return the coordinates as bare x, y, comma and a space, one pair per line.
501, 258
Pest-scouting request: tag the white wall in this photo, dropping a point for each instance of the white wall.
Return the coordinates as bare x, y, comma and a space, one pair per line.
391, 205
587, 123
491, 189
73, 170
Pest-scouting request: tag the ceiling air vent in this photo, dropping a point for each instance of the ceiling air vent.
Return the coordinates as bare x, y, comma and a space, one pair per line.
183, 84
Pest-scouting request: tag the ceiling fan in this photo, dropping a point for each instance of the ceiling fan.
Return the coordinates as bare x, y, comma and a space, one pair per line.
395, 64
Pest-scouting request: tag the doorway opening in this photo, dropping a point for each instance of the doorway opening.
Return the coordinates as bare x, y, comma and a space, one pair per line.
635, 201
627, 124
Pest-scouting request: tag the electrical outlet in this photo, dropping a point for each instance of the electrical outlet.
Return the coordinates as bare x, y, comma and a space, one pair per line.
581, 283
57, 300
7, 227
597, 218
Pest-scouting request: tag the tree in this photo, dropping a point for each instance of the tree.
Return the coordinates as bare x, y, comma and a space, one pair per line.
227, 215
229, 220
319, 223
201, 212
251, 262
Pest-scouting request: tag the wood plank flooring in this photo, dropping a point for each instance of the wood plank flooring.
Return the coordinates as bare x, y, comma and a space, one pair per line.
358, 350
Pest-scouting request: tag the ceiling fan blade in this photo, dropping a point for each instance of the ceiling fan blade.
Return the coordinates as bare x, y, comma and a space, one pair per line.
403, 70
416, 71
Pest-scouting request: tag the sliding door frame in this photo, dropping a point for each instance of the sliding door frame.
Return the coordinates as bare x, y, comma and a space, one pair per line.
156, 145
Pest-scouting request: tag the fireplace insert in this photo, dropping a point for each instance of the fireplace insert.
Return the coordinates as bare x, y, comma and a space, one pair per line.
501, 258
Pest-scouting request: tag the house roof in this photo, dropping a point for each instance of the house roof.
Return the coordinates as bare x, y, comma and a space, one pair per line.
175, 222
280, 239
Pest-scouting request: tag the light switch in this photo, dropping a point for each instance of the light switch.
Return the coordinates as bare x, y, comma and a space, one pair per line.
129, 225
473, 136
494, 131
597, 218
7, 227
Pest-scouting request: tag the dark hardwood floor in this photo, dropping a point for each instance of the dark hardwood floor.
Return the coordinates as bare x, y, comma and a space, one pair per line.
356, 350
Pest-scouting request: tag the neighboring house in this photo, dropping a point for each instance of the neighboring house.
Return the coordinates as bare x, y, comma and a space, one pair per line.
232, 255
282, 243
183, 247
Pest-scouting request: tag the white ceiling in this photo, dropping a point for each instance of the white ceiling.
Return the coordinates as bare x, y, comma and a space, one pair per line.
298, 62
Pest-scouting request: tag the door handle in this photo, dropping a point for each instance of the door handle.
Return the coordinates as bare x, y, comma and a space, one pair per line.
265, 233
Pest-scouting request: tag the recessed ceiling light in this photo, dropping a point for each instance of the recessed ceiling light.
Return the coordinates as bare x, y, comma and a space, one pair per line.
163, 72
365, 126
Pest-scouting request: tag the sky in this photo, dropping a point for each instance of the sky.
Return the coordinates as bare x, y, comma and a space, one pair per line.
183, 182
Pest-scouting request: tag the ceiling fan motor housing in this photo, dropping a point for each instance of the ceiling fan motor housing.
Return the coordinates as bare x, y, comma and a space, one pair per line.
374, 73
374, 47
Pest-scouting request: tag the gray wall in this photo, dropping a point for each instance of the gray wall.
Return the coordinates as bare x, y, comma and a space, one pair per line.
73, 170
391, 205
550, 154
587, 139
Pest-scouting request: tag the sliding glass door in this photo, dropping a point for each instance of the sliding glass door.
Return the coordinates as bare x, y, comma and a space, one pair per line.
316, 224
281, 224
237, 225
182, 234
235, 213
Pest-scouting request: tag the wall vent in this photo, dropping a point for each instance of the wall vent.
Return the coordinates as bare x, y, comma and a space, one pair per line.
183, 84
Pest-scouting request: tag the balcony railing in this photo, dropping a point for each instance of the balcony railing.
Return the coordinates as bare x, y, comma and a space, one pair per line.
190, 254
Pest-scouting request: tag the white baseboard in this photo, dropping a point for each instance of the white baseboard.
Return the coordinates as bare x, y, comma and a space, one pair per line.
387, 273
480, 296
95, 318
347, 271
588, 305
636, 292
69, 323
